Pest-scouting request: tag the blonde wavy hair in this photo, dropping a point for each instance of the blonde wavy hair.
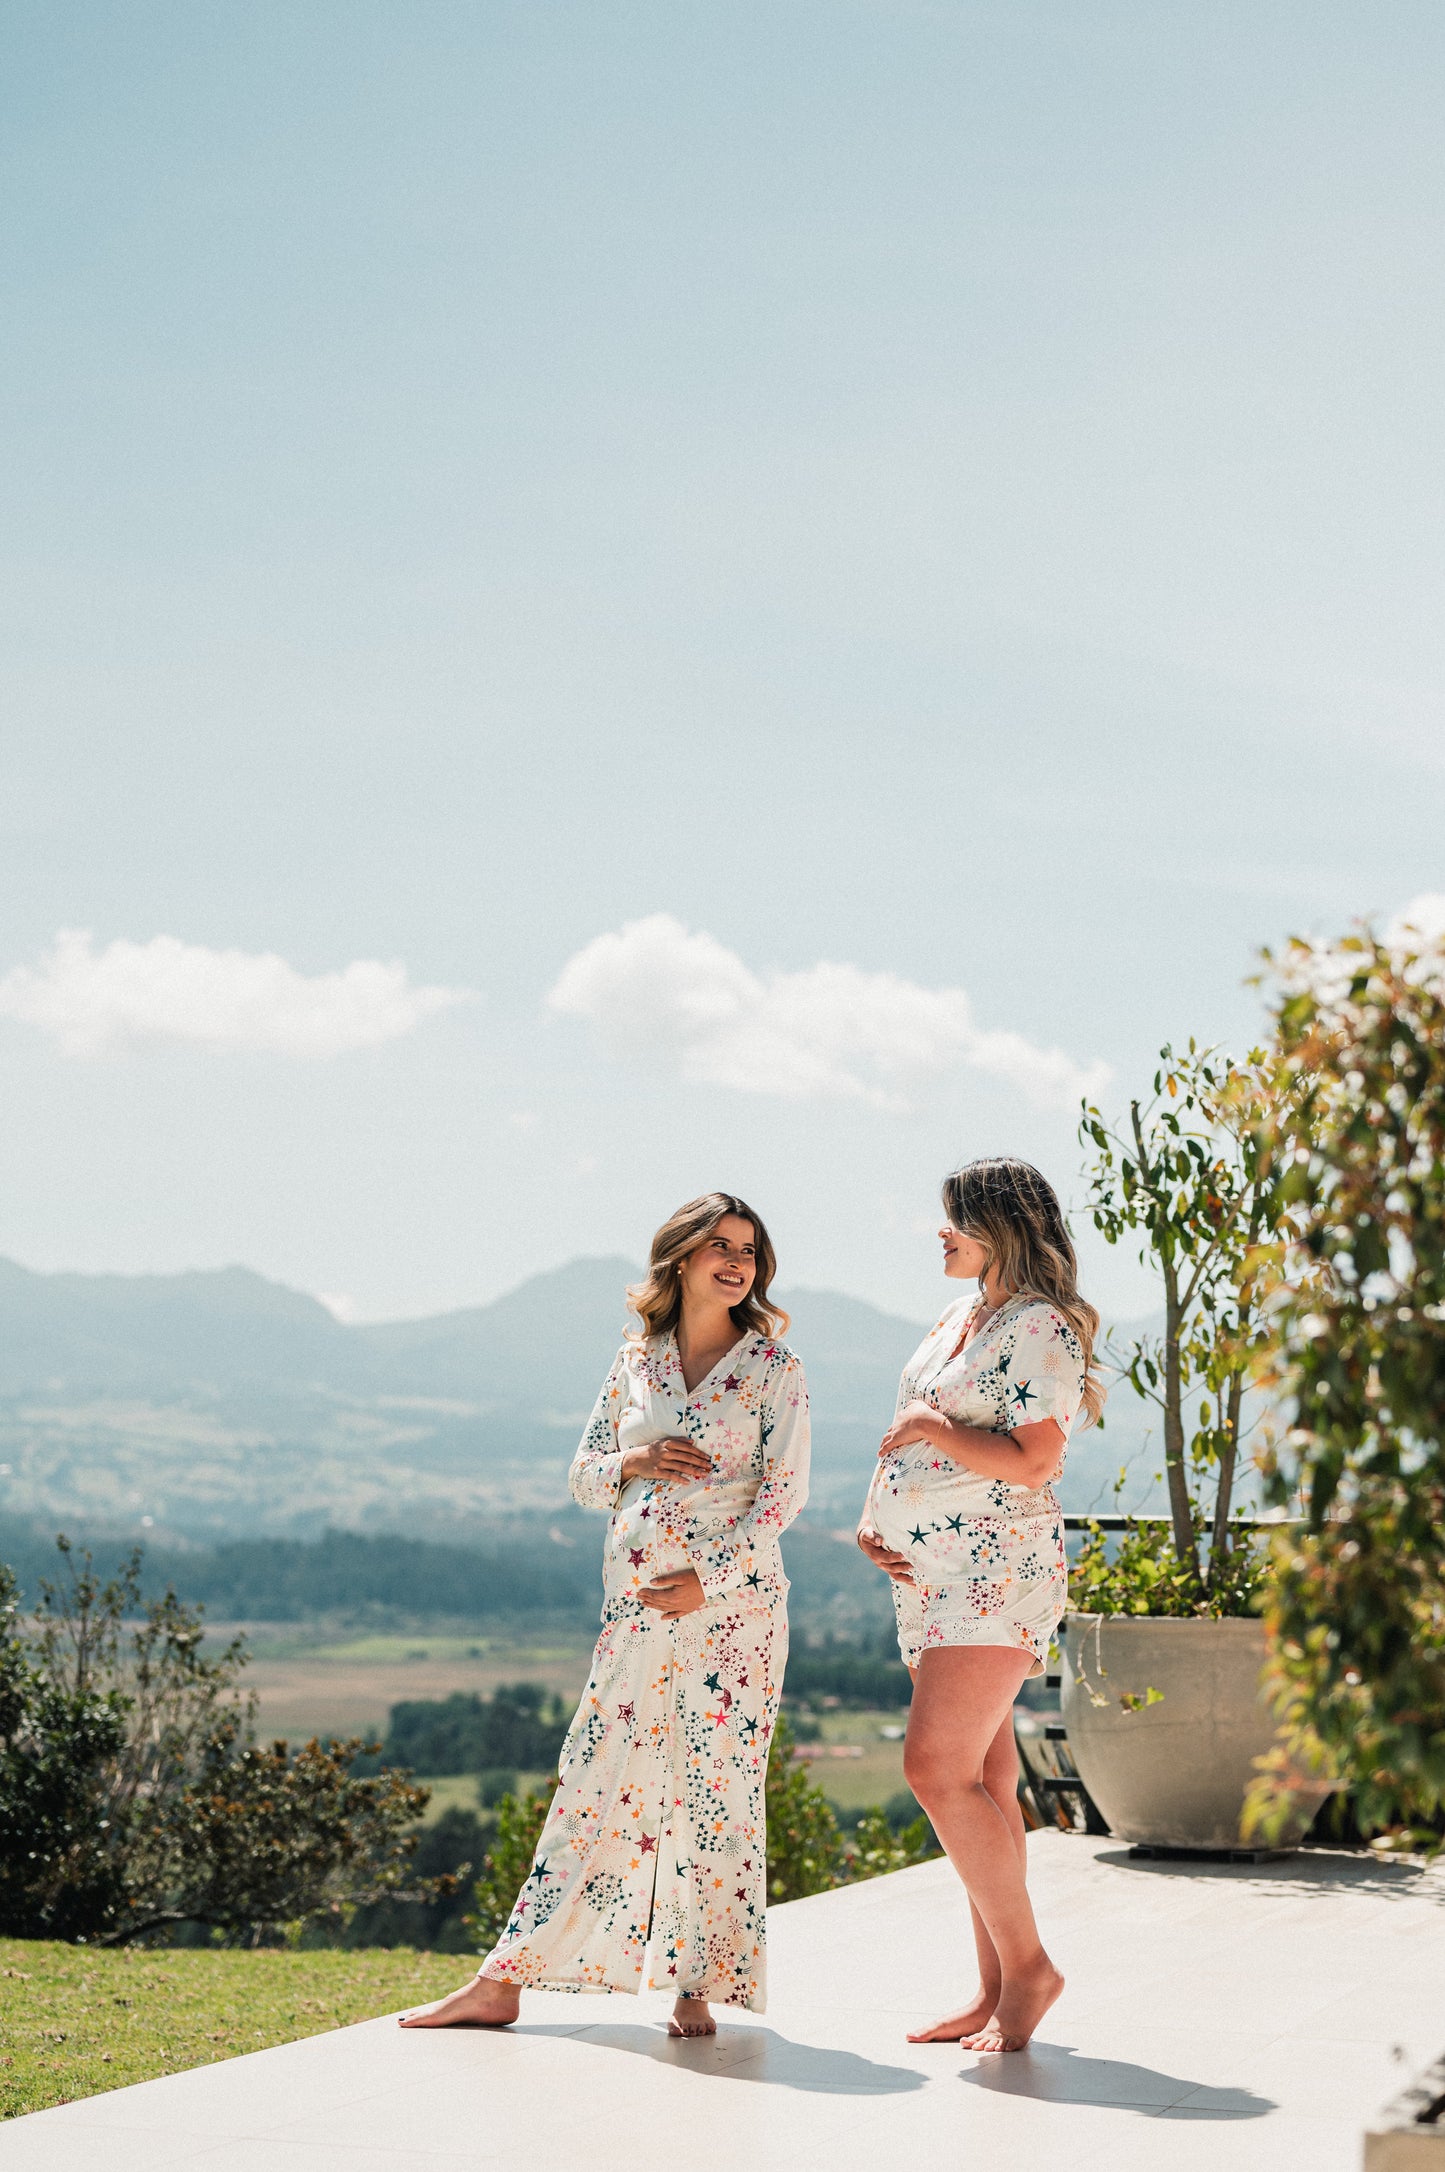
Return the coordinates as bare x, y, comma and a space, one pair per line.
657, 1301
1014, 1213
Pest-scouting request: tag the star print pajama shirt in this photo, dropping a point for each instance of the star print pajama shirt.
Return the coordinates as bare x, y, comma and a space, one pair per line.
988, 1558
656, 1838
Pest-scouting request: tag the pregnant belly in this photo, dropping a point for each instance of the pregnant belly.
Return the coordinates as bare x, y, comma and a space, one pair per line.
659, 1528
957, 1525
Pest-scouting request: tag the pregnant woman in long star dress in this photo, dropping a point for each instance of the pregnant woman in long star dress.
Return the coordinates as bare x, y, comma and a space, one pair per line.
962, 1515
656, 1838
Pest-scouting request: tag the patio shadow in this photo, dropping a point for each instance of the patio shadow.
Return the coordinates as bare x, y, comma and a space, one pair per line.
1307, 1871
761, 2055
1059, 2075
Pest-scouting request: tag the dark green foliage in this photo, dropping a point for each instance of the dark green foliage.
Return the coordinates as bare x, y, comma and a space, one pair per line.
878, 1846
1357, 1611
805, 1847
449, 1852
134, 1796
863, 1677
519, 1728
808, 1853
1139, 1571
57, 1745
509, 1859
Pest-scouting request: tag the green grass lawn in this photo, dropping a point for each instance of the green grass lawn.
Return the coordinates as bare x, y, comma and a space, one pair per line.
75, 2021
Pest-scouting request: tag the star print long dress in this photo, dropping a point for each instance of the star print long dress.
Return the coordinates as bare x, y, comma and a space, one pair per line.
988, 1558
656, 1834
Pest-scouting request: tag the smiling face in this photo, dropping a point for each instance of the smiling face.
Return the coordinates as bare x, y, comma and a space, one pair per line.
720, 1271
964, 1258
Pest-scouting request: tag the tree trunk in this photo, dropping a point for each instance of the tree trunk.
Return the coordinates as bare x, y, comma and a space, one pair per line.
1180, 1511
1228, 1458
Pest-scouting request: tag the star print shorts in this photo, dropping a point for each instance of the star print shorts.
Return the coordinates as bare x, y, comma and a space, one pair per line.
1018, 1613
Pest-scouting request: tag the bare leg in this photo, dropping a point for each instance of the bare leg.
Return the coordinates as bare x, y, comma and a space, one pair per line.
480, 2004
1000, 1778
690, 2017
959, 1761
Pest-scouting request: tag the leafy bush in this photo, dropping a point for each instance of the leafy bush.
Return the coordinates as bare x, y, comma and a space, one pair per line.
805, 1847
519, 1728
807, 1853
134, 1796
508, 1861
1140, 1571
1356, 1613
448, 1854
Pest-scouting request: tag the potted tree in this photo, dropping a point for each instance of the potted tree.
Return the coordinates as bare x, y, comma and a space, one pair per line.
1163, 1647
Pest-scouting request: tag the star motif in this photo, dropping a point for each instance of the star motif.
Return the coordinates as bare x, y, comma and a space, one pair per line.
916, 1535
540, 1870
955, 1523
1023, 1395
627, 1713
712, 1682
647, 1844
637, 1556
750, 1728
754, 1581
732, 1384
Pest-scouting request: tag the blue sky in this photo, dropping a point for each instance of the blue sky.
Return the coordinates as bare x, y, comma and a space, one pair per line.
948, 492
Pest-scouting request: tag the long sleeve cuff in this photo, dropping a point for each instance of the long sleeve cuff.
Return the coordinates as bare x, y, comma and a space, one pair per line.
596, 1481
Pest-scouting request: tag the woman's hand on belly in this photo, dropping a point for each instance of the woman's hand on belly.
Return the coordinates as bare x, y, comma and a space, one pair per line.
915, 1422
674, 1462
672, 1596
882, 1556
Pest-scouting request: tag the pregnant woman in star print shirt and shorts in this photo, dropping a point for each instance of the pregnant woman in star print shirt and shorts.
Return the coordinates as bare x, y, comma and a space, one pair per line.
962, 1515
655, 1846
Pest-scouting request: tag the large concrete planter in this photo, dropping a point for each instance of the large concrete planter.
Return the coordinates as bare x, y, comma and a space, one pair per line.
1173, 1774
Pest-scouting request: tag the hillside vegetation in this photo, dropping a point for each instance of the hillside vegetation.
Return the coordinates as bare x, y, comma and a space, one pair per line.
214, 1407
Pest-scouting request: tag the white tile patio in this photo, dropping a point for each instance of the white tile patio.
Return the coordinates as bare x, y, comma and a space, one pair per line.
1224, 2016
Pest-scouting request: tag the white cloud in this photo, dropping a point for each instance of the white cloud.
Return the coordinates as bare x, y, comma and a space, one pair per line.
655, 990
92, 1001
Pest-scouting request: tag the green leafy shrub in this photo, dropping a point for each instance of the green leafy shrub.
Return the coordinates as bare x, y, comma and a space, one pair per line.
1140, 1571
805, 1847
509, 1859
134, 1796
1356, 1610
449, 1854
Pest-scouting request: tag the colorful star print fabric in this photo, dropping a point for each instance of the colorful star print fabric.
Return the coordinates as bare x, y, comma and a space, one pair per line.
655, 1848
988, 1558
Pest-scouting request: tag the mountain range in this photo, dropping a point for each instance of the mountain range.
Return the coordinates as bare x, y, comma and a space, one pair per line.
209, 1405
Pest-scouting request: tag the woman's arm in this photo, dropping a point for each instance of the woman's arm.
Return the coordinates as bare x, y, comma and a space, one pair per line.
1028, 1456
743, 1559
595, 1478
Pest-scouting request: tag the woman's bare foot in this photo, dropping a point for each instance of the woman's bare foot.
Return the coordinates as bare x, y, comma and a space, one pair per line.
974, 2016
690, 2017
1022, 2004
480, 2004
